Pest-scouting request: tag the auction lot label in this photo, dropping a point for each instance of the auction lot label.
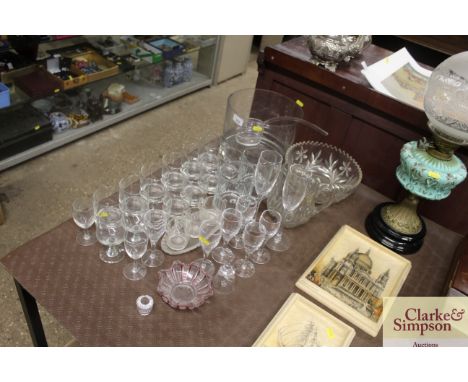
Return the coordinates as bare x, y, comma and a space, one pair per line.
425, 321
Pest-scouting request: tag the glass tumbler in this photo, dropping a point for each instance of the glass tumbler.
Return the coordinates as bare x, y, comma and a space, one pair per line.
177, 232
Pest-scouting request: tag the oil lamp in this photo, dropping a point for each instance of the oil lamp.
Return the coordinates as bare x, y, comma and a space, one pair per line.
428, 169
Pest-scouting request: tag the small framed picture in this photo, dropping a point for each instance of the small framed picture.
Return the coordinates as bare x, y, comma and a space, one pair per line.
299, 322
352, 275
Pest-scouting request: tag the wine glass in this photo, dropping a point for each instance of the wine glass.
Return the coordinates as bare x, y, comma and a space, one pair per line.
171, 163
253, 236
231, 222
153, 192
294, 192
266, 172
174, 182
155, 223
104, 197
210, 235
110, 232
247, 205
128, 186
136, 243
83, 216
133, 208
271, 220
149, 173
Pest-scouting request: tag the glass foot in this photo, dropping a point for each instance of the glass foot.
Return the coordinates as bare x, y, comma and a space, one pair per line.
134, 272
262, 256
112, 255
223, 282
237, 242
206, 266
153, 259
85, 239
244, 268
279, 245
222, 255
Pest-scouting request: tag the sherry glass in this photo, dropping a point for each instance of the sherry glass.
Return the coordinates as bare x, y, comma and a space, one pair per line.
128, 186
134, 208
210, 235
266, 172
253, 236
294, 192
83, 215
231, 222
153, 192
136, 243
271, 220
155, 223
110, 232
247, 205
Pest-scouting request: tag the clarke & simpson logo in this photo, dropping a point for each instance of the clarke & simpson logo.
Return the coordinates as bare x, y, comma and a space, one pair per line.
425, 321
419, 321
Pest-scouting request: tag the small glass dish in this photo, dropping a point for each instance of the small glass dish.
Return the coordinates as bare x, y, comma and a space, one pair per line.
184, 286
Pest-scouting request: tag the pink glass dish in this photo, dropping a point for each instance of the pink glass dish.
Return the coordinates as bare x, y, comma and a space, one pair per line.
184, 286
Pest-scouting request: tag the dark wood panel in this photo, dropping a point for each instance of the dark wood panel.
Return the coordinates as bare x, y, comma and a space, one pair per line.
370, 126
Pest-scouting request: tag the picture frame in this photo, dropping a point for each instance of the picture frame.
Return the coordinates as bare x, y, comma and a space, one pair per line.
352, 275
298, 310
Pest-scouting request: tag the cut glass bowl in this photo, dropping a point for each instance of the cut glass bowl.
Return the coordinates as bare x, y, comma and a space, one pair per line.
184, 286
332, 173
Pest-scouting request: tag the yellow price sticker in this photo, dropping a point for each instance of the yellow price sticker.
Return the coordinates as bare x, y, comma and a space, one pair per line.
434, 175
330, 333
103, 214
203, 240
56, 90
257, 129
37, 127
300, 103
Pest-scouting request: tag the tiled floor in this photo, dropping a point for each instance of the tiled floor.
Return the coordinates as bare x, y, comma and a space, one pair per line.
40, 191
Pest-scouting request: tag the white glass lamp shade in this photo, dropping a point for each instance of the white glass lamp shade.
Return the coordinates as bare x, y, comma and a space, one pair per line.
446, 99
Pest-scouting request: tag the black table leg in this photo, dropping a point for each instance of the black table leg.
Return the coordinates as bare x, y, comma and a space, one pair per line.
31, 313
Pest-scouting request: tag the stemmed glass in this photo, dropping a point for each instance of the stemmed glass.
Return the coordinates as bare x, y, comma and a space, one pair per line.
153, 192
231, 223
136, 243
155, 223
254, 236
210, 235
247, 205
271, 220
110, 232
266, 173
83, 215
171, 163
294, 191
133, 208
129, 186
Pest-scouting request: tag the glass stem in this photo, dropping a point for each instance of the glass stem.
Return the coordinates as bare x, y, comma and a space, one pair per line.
152, 245
112, 251
86, 234
279, 234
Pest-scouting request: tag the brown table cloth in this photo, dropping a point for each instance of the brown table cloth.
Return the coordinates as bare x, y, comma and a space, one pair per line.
97, 304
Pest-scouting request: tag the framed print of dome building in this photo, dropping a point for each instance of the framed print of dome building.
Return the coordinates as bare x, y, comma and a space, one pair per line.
352, 276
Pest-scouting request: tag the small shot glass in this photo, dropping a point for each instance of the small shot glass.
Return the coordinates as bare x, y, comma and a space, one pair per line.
144, 305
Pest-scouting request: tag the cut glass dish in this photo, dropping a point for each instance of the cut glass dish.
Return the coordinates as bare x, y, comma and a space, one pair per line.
184, 286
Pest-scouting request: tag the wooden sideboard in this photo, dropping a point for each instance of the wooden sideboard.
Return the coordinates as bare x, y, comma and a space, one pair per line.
369, 125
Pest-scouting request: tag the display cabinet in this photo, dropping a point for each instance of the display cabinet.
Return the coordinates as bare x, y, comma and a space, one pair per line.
135, 64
